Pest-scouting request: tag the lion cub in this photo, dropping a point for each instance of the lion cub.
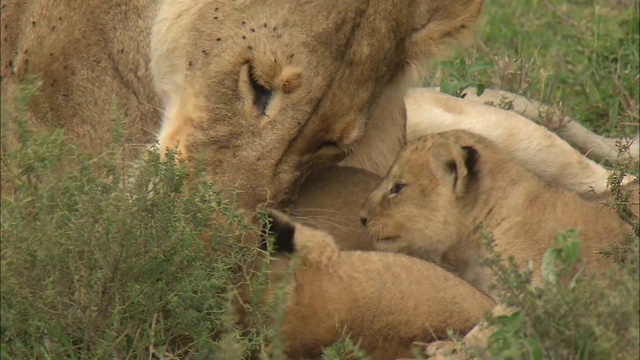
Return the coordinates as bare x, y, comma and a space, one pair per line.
443, 188
331, 199
384, 301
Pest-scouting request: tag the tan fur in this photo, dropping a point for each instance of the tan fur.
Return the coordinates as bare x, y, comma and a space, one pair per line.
457, 183
331, 200
383, 301
439, 212
537, 149
182, 67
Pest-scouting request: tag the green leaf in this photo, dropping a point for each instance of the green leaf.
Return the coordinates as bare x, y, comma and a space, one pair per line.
535, 350
450, 87
483, 65
549, 259
511, 323
570, 246
498, 343
480, 89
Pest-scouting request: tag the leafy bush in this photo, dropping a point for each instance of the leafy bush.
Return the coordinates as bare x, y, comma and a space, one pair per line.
571, 316
96, 266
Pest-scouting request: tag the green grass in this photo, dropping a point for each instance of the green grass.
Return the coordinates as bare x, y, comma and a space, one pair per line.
92, 269
581, 56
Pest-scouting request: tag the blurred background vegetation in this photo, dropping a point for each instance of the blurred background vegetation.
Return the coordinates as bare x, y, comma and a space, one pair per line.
580, 56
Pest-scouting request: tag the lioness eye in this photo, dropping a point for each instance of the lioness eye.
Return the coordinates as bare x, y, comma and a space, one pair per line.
396, 188
261, 95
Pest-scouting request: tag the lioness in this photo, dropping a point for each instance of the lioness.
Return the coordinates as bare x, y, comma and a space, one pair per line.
331, 199
265, 91
265, 94
307, 102
445, 188
384, 301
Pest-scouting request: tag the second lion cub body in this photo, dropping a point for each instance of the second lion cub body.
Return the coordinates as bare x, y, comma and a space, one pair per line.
385, 302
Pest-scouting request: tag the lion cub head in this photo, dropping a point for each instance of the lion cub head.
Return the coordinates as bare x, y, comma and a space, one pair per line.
420, 208
267, 91
447, 190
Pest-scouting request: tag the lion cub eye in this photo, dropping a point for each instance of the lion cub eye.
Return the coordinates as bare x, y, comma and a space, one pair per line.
261, 95
396, 188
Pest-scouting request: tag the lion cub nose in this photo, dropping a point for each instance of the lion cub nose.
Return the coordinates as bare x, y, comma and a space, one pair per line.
364, 220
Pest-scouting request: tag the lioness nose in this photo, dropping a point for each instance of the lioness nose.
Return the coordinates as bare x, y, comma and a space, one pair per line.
364, 221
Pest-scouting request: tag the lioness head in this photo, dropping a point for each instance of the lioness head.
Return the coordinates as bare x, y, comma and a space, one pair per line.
268, 90
420, 207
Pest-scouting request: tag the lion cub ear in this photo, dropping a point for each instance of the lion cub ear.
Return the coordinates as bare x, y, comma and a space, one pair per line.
282, 228
454, 162
439, 26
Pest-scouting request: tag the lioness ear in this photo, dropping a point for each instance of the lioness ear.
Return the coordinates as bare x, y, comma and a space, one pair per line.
458, 163
282, 228
438, 27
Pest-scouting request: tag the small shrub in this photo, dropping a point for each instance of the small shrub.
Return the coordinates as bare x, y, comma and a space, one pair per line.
571, 316
95, 267
344, 349
457, 74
